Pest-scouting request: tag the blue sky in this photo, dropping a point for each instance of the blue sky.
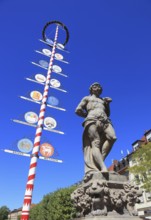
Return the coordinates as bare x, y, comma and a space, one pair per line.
109, 43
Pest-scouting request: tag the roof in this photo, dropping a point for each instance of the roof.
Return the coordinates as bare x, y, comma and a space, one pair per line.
147, 132
20, 209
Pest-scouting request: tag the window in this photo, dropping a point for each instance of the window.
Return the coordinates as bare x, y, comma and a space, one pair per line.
148, 196
137, 180
148, 136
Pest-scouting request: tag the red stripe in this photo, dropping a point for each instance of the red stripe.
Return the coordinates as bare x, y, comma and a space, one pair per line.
41, 118
38, 134
46, 91
27, 201
42, 110
33, 165
31, 177
24, 217
29, 186
37, 144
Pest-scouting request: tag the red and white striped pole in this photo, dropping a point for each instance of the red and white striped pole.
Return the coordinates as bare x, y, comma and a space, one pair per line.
34, 158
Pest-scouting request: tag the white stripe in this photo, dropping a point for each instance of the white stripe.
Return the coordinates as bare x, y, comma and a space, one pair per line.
25, 213
33, 160
28, 192
27, 197
35, 150
31, 171
25, 208
31, 182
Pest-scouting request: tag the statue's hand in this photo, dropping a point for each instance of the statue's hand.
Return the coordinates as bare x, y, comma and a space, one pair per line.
107, 99
81, 113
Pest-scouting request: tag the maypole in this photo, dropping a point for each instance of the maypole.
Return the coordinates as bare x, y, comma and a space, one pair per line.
34, 158
39, 127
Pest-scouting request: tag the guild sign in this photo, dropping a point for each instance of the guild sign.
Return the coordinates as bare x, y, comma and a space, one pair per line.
53, 101
44, 63
46, 52
49, 41
50, 122
40, 78
46, 150
55, 83
60, 46
25, 145
31, 117
35, 95
58, 56
57, 69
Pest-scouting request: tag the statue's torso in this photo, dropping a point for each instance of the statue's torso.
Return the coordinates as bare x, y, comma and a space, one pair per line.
95, 107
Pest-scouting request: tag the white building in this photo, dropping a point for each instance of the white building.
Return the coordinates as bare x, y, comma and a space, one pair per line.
144, 207
14, 215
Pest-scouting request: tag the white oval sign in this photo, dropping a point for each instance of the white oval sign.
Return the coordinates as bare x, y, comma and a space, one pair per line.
46, 52
40, 78
58, 56
25, 145
56, 69
36, 95
31, 117
55, 83
60, 46
49, 41
43, 63
50, 122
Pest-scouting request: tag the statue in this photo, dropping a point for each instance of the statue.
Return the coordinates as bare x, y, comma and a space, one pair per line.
99, 135
102, 194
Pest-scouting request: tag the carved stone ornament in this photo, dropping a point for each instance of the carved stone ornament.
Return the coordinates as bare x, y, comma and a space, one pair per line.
105, 194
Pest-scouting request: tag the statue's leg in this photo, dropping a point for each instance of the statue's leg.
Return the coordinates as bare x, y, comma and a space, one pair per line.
110, 139
89, 166
95, 140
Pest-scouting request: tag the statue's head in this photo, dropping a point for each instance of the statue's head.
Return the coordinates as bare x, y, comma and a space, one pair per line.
96, 87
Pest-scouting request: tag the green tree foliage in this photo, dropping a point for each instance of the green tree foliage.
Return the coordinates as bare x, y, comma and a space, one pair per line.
18, 217
142, 166
54, 206
37, 213
4, 211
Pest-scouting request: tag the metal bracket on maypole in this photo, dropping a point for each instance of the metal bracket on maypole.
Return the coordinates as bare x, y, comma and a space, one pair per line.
42, 99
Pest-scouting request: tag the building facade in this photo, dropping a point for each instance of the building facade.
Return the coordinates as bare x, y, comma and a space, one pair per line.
16, 213
144, 207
